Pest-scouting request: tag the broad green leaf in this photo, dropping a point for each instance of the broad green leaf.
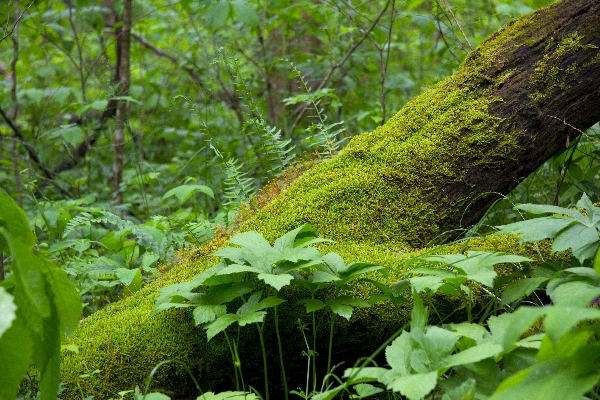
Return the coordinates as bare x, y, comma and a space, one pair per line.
438, 344
312, 305
256, 249
421, 283
464, 391
582, 239
218, 13
535, 230
204, 314
219, 325
521, 288
7, 310
71, 134
47, 307
366, 390
473, 354
552, 379
245, 13
575, 293
235, 268
184, 192
131, 278
477, 265
560, 319
344, 305
296, 254
397, 354
507, 328
277, 281
472, 331
550, 209
324, 277
414, 387
295, 238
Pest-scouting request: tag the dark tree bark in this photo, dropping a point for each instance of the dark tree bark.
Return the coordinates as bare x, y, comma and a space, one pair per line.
122, 105
423, 173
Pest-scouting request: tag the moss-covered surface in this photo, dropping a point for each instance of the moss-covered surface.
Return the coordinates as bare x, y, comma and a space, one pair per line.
387, 193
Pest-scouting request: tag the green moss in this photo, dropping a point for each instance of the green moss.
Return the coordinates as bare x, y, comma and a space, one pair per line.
553, 71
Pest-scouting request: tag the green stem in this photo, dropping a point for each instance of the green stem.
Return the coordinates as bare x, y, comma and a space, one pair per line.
330, 342
314, 349
285, 386
234, 361
264, 355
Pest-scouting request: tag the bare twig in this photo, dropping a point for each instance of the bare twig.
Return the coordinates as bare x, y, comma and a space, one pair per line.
340, 63
8, 32
458, 24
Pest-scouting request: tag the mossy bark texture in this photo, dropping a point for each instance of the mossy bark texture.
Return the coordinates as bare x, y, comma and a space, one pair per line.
512, 104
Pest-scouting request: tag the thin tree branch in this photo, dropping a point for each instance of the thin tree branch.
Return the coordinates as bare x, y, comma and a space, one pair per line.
339, 64
458, 24
7, 32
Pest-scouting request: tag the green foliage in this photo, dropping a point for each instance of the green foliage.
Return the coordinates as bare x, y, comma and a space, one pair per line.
569, 228
39, 305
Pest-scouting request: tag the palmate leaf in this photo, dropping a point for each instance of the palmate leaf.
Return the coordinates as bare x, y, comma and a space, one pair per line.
568, 227
477, 265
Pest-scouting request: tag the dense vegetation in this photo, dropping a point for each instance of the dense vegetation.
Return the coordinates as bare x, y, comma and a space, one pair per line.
123, 152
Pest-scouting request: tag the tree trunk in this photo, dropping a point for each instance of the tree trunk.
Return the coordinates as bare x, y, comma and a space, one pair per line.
439, 163
426, 171
121, 116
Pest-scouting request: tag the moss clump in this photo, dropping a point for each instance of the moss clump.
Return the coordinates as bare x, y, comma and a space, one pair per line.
552, 72
388, 191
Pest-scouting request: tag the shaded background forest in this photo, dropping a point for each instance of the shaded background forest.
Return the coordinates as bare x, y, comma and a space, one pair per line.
132, 128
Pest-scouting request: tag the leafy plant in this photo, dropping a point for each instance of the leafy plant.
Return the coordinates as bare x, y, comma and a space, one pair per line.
39, 305
256, 267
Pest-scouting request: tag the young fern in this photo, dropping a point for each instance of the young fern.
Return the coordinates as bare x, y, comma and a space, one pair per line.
324, 137
238, 187
278, 150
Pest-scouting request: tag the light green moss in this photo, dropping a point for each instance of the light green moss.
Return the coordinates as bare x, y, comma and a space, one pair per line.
551, 73
380, 198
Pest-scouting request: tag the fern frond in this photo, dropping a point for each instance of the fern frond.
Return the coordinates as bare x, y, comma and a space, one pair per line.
238, 187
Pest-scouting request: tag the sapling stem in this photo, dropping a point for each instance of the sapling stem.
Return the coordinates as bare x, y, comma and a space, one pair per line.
264, 355
314, 349
330, 342
234, 361
285, 386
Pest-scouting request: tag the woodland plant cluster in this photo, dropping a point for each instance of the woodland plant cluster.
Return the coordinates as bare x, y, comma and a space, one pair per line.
71, 242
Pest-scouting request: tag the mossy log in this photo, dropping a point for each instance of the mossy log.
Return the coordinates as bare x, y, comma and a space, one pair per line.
517, 99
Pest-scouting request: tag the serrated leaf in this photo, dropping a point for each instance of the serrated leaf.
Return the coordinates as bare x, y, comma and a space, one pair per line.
414, 387
207, 313
312, 305
398, 352
219, 325
277, 281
